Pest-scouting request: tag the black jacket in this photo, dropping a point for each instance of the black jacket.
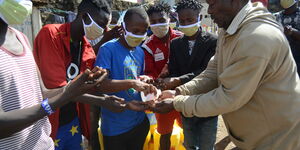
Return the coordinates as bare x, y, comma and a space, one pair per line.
186, 66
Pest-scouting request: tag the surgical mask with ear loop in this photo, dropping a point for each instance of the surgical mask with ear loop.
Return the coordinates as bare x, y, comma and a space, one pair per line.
287, 3
190, 30
15, 12
93, 30
161, 29
172, 25
133, 40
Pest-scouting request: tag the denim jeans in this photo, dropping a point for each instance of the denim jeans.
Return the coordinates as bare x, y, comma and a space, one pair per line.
199, 133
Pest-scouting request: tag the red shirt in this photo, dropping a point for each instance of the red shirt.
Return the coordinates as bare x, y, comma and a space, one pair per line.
157, 53
52, 55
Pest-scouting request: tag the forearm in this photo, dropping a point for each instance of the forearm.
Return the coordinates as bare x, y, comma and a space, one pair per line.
91, 99
17, 120
112, 86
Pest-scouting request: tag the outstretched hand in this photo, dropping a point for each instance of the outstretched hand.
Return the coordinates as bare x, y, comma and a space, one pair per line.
137, 105
163, 106
86, 81
114, 104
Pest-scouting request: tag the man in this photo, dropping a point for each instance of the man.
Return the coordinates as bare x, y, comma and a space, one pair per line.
252, 80
124, 59
290, 20
23, 112
62, 52
156, 50
189, 56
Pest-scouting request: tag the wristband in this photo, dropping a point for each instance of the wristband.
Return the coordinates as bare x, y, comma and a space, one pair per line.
47, 107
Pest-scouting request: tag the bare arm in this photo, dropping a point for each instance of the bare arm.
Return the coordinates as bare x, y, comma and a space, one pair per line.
17, 120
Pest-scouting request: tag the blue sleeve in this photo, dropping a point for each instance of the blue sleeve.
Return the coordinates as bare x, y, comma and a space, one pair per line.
104, 58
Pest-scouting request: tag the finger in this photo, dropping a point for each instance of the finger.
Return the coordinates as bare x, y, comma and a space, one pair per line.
99, 80
95, 69
84, 76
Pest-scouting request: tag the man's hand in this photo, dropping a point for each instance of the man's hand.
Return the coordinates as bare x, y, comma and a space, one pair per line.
146, 79
137, 105
167, 94
144, 87
114, 104
164, 106
112, 34
168, 83
85, 82
288, 30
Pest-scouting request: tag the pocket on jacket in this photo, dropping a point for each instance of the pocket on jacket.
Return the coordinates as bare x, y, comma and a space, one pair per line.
240, 143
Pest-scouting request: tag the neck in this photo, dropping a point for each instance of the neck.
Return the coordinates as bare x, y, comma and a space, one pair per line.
3, 31
290, 10
191, 38
124, 43
166, 38
77, 31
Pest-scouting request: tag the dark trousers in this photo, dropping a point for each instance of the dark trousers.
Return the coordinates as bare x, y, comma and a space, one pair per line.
131, 140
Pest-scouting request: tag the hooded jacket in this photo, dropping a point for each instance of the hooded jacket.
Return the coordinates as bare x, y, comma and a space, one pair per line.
252, 81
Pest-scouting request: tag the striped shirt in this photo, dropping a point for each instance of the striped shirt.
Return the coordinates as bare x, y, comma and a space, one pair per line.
19, 89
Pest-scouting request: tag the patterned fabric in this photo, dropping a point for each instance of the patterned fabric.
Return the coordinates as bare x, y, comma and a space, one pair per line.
292, 19
19, 89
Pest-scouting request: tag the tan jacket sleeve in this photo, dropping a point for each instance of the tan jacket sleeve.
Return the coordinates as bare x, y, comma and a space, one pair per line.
204, 82
238, 83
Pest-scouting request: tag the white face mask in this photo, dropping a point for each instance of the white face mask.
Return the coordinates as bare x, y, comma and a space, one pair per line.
173, 25
160, 30
133, 40
15, 12
190, 30
287, 3
93, 30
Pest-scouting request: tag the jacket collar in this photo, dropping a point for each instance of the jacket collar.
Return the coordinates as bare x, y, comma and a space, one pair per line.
238, 19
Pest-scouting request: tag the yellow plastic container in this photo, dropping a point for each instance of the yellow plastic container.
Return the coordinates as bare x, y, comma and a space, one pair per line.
146, 144
175, 139
100, 138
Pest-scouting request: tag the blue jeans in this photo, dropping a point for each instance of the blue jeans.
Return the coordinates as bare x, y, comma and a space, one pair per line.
199, 133
69, 136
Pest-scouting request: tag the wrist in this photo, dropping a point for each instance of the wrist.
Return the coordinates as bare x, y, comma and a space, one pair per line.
46, 106
177, 92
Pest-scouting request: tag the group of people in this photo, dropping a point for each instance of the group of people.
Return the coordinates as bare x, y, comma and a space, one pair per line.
97, 67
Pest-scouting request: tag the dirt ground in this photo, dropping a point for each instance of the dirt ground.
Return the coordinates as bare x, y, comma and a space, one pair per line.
222, 132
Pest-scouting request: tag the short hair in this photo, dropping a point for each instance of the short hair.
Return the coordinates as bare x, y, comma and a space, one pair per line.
188, 4
99, 5
136, 11
159, 7
115, 14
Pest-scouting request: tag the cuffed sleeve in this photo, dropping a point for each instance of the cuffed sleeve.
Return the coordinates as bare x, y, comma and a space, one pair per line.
238, 82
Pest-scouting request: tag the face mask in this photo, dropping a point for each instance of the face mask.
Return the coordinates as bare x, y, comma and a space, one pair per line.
160, 30
15, 12
173, 25
111, 26
133, 40
93, 30
287, 3
190, 30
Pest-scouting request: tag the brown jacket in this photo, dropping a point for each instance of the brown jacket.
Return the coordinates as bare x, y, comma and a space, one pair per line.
252, 81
